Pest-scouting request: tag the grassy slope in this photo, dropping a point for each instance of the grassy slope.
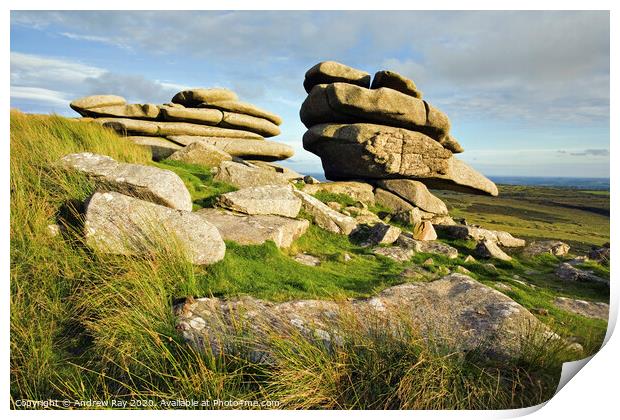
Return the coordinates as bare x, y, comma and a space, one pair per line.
93, 326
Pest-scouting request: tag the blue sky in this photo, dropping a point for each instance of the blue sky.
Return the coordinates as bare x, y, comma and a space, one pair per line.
527, 92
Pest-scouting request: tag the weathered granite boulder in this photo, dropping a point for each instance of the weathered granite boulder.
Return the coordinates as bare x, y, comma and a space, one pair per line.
395, 253
557, 248
567, 272
163, 129
456, 312
359, 191
455, 231
140, 111
406, 240
489, 249
367, 151
307, 259
194, 97
381, 234
255, 229
424, 231
242, 176
192, 115
581, 307
249, 123
393, 80
331, 71
199, 153
274, 167
242, 148
160, 147
119, 224
267, 199
346, 103
89, 102
242, 108
392, 201
324, 216
600, 254
159, 186
415, 193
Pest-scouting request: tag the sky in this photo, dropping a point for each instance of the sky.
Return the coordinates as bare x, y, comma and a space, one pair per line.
527, 92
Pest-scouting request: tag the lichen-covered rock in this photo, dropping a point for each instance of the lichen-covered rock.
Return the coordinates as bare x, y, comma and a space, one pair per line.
250, 123
381, 234
242, 148
255, 229
489, 249
159, 186
332, 71
393, 80
557, 248
589, 309
392, 202
371, 151
267, 199
406, 240
565, 271
359, 191
467, 232
119, 224
199, 153
243, 176
456, 312
307, 259
194, 97
324, 216
424, 231
395, 253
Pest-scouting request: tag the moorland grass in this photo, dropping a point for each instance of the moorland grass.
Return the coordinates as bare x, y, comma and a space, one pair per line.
91, 326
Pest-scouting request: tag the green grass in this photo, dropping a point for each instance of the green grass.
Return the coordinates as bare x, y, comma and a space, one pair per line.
91, 326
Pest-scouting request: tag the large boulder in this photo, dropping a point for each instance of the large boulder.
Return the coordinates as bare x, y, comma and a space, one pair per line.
249, 123
194, 97
557, 248
406, 240
489, 249
346, 103
140, 111
598, 310
324, 216
255, 229
358, 151
415, 193
242, 148
266, 199
159, 147
242, 108
456, 312
89, 102
359, 191
393, 80
119, 224
332, 71
159, 186
201, 154
467, 232
242, 175
163, 129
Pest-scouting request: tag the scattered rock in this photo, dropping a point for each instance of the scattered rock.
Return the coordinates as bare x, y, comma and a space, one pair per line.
428, 247
381, 233
489, 249
159, 186
311, 180
201, 154
394, 252
307, 259
411, 217
556, 248
502, 286
567, 272
267, 199
244, 176
255, 229
393, 80
264, 150
462, 270
539, 311
331, 71
428, 262
424, 232
160, 147
469, 259
459, 312
468, 232
601, 254
119, 224
490, 267
325, 217
359, 191
589, 309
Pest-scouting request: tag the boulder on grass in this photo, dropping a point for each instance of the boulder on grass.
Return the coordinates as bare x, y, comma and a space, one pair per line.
267, 199
489, 249
557, 248
359, 191
119, 224
324, 216
243, 176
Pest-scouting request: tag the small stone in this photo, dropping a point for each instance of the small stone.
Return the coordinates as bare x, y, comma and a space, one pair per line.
307, 259
53, 230
539, 311
469, 259
424, 232
201, 154
311, 180
428, 262
334, 205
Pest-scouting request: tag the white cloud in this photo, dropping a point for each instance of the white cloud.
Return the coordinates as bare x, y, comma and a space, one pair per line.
46, 96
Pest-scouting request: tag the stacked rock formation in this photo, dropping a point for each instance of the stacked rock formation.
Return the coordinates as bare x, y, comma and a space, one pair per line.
385, 133
213, 120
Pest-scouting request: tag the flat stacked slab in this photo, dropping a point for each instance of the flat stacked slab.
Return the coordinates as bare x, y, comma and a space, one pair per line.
213, 116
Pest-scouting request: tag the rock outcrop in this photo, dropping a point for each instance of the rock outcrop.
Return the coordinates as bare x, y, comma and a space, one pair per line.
455, 311
119, 224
